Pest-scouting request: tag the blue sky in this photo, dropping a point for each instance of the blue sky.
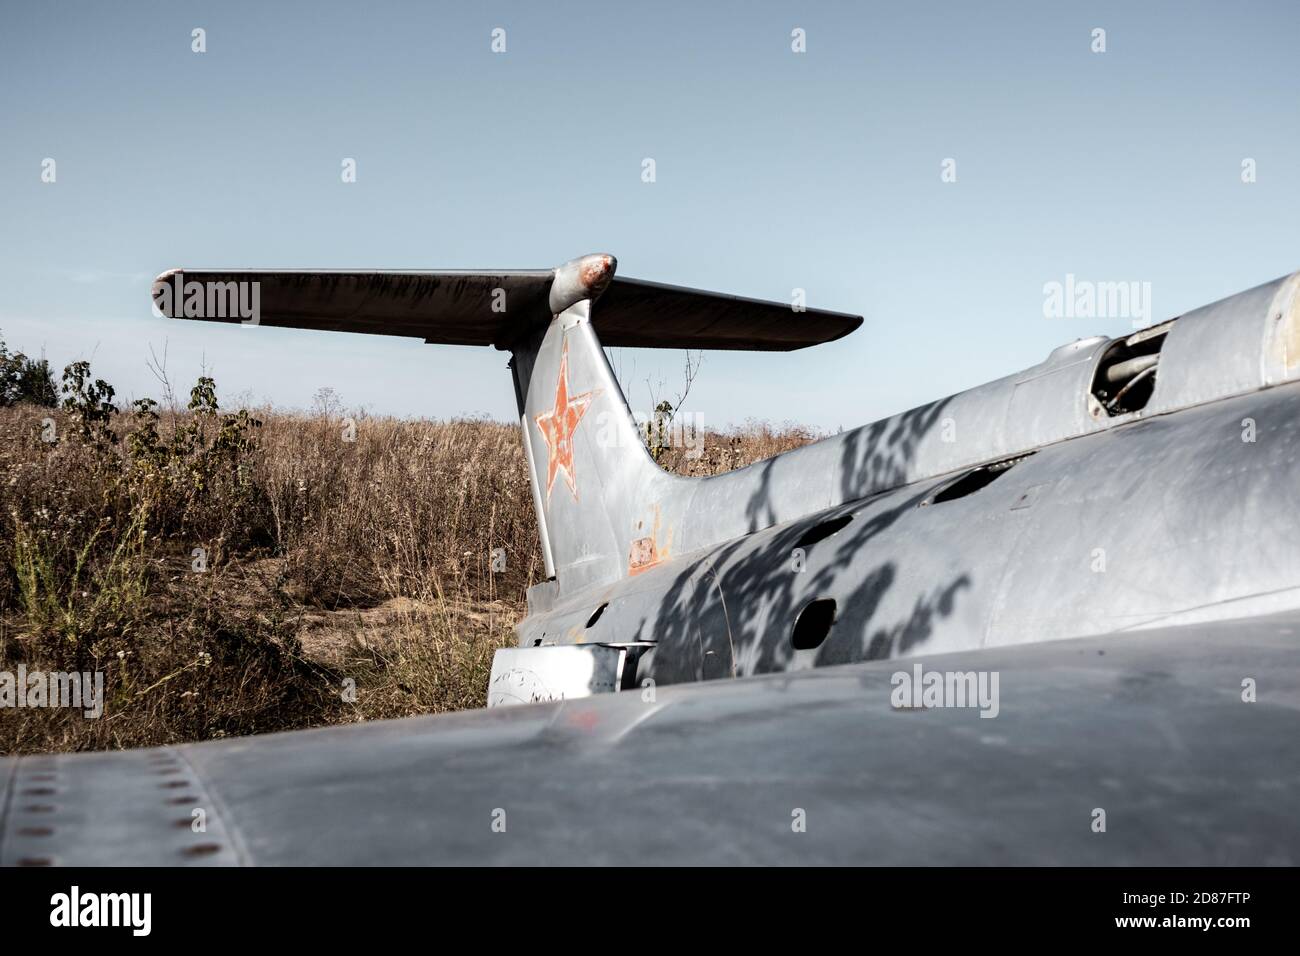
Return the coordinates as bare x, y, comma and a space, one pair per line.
775, 170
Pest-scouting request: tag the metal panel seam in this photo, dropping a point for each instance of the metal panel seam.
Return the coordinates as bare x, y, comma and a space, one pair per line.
223, 812
7, 803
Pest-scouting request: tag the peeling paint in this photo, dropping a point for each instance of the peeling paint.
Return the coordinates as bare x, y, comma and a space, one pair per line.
645, 553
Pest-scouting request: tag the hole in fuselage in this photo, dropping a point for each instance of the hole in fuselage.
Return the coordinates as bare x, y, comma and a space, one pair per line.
822, 530
967, 484
595, 615
813, 624
973, 480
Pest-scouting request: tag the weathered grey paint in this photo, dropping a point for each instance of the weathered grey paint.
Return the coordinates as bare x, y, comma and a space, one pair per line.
1149, 726
1110, 523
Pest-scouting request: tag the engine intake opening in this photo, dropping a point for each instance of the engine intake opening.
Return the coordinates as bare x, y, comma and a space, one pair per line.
1126, 374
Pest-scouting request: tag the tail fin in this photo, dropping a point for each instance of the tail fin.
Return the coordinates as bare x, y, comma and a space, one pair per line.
589, 466
595, 487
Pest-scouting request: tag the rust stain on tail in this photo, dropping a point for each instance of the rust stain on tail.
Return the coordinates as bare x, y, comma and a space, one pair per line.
645, 552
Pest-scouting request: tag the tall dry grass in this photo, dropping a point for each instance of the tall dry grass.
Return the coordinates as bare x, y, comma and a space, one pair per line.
234, 575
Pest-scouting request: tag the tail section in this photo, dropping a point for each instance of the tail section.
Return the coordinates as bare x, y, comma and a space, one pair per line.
592, 477
604, 508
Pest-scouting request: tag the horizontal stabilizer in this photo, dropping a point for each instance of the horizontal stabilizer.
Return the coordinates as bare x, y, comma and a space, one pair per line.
649, 315
492, 307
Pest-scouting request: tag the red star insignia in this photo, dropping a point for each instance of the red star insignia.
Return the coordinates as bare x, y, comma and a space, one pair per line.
558, 425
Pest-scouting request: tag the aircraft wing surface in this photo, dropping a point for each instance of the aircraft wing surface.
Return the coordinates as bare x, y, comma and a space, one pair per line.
1149, 726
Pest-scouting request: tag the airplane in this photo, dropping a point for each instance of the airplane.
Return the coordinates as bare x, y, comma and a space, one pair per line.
1097, 551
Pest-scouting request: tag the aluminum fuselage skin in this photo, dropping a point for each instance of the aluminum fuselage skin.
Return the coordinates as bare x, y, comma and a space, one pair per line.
1155, 520
1184, 510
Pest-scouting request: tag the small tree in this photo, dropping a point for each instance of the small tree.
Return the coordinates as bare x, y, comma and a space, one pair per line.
198, 480
24, 379
89, 404
657, 439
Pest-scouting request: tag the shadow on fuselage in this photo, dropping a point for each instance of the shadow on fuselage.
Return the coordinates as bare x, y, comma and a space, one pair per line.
733, 611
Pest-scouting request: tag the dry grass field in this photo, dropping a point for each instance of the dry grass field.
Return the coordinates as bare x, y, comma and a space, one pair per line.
235, 573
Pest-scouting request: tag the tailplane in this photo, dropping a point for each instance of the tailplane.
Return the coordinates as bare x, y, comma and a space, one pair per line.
595, 488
